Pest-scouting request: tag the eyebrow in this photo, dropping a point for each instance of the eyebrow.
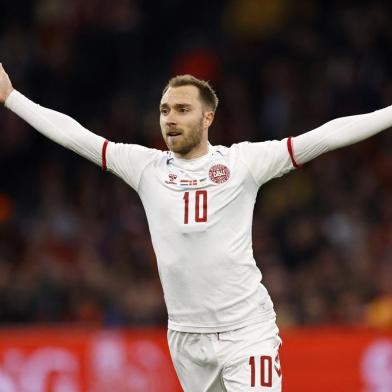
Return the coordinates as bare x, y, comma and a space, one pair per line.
177, 105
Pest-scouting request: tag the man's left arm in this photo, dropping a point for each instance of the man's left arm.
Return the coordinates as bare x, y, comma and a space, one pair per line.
339, 133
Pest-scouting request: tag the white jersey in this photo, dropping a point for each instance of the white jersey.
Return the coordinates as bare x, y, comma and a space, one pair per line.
199, 213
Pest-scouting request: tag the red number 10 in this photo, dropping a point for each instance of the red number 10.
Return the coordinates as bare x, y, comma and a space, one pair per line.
200, 206
265, 371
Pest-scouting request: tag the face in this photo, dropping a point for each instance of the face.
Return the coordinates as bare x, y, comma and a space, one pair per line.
184, 123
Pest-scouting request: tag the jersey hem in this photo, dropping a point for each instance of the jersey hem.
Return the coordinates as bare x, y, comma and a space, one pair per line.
220, 328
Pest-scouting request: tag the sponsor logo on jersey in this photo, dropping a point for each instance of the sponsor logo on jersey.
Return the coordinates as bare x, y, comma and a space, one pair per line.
219, 173
172, 179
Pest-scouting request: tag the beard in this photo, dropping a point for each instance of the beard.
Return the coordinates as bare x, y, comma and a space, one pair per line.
186, 141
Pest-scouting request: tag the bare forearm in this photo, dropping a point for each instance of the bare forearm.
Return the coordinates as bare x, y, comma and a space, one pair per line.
339, 133
58, 127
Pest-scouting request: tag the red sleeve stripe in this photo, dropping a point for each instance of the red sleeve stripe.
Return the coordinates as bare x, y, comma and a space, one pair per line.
104, 147
291, 152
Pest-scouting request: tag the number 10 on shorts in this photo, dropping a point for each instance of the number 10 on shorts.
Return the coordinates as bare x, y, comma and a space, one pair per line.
263, 366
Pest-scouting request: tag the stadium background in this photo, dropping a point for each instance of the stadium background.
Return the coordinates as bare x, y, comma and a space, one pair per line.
75, 252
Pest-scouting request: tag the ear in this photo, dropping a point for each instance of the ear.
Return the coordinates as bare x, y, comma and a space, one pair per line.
208, 119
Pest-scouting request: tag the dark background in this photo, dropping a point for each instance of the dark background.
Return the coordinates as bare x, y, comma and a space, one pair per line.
74, 243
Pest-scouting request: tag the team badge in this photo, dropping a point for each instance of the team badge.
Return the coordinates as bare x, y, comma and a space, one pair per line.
219, 173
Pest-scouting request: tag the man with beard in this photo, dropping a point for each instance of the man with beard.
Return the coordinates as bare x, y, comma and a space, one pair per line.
199, 203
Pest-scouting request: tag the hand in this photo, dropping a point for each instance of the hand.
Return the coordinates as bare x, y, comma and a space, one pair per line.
5, 85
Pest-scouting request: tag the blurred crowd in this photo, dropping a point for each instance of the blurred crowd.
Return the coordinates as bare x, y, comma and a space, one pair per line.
74, 242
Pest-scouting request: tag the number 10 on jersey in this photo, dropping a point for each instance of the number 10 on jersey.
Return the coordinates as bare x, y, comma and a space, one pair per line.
199, 212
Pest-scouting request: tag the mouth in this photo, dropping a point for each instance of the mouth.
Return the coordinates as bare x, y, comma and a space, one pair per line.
172, 135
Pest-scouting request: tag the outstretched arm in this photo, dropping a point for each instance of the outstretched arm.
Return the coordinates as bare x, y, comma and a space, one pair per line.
58, 127
339, 133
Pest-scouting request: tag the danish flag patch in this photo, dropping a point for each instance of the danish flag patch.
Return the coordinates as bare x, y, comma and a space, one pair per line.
219, 174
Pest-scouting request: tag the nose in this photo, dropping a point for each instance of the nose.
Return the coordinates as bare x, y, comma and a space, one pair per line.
170, 119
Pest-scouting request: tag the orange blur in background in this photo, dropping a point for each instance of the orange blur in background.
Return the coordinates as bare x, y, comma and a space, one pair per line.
83, 360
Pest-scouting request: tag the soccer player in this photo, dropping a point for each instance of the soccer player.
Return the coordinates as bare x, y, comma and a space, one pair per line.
199, 203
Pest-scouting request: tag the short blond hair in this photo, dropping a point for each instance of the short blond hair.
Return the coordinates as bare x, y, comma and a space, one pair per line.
206, 92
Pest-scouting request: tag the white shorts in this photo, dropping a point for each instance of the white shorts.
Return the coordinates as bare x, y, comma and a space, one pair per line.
244, 359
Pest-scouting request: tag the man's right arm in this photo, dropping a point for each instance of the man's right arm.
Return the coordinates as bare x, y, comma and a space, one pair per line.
58, 127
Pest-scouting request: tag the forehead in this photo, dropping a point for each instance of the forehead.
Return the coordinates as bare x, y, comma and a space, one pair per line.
181, 95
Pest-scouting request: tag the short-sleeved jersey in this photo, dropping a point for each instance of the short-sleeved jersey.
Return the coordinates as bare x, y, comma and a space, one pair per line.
199, 213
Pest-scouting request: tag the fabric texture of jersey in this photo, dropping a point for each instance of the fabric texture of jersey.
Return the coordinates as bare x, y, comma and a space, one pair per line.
199, 213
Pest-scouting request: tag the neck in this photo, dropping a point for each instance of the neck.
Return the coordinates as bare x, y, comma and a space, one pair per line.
197, 152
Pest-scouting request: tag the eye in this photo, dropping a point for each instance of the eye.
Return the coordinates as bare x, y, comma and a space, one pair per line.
184, 110
164, 111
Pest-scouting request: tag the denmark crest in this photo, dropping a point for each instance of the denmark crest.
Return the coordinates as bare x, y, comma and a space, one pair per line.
219, 173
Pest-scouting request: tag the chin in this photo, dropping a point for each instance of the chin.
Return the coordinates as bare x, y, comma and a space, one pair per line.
182, 150
175, 147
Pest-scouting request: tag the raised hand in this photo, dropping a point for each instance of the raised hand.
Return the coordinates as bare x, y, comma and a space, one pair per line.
5, 85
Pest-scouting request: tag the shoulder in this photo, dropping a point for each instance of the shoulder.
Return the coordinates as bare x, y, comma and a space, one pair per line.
248, 149
237, 151
128, 161
133, 151
243, 149
222, 150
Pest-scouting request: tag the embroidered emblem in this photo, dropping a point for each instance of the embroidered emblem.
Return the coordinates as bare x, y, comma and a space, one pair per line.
219, 173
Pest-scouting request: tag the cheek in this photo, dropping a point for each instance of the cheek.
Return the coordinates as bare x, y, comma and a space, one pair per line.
194, 122
162, 125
